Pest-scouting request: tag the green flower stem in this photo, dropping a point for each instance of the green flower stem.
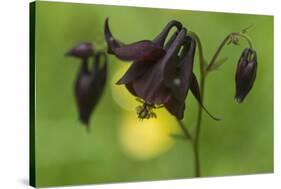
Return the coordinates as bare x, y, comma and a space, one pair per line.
203, 74
190, 139
201, 54
198, 128
197, 172
223, 43
213, 60
242, 35
185, 131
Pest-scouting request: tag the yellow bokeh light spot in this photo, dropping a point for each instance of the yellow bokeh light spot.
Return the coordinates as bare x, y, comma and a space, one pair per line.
119, 92
146, 139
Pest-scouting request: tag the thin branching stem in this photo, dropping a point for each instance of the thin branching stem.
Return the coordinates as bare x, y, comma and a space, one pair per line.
223, 43
189, 138
202, 62
204, 70
203, 74
214, 58
185, 131
201, 54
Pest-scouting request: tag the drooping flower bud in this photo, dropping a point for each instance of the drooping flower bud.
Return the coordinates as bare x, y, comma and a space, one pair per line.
89, 83
245, 73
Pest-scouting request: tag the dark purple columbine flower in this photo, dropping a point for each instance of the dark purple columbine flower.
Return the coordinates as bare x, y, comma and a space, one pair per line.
245, 74
90, 82
161, 73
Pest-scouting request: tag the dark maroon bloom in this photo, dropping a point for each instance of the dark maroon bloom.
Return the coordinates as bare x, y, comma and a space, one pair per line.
90, 82
161, 73
245, 74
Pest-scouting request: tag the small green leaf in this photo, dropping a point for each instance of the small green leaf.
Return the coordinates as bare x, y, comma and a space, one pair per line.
219, 63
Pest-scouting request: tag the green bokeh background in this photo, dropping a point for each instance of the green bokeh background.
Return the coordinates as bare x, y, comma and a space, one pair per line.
242, 143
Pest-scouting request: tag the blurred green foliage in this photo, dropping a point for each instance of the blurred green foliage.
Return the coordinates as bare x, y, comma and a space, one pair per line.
242, 143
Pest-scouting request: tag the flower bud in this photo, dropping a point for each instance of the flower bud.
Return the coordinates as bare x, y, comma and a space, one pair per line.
90, 82
89, 86
245, 74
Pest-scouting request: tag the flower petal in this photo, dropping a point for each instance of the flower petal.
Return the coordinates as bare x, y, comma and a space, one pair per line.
180, 82
144, 50
175, 107
150, 89
130, 88
111, 41
81, 93
170, 41
194, 87
177, 75
160, 39
137, 69
100, 69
